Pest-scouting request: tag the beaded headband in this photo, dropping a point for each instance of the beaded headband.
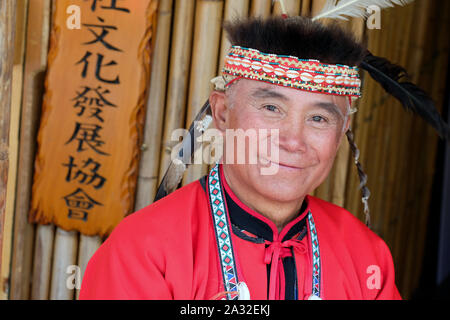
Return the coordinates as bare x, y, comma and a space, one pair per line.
289, 71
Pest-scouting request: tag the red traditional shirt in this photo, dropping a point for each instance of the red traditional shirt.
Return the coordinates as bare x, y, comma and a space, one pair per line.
168, 250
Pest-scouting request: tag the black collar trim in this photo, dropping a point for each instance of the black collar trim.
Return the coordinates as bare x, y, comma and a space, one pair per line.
243, 221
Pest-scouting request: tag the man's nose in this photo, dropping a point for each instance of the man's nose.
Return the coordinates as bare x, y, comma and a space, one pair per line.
293, 137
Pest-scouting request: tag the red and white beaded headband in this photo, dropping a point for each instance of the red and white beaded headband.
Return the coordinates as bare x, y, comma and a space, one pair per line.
289, 71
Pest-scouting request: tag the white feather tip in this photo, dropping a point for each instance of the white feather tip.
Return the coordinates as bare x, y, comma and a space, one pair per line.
342, 9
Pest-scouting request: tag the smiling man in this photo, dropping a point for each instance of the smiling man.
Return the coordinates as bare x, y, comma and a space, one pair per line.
309, 129
242, 234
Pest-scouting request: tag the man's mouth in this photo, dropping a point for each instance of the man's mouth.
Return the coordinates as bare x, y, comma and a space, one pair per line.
281, 165
288, 166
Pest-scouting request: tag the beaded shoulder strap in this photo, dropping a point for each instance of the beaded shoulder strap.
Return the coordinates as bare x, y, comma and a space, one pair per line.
223, 233
316, 264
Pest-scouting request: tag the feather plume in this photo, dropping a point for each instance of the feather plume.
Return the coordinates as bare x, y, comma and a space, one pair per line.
174, 173
391, 77
354, 8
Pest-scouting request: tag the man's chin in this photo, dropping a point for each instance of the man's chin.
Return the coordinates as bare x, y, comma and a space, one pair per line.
283, 186
283, 196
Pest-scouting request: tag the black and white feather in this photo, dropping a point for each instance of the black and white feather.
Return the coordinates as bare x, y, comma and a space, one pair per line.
185, 154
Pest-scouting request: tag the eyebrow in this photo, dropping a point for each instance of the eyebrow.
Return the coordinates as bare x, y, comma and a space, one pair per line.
331, 107
263, 93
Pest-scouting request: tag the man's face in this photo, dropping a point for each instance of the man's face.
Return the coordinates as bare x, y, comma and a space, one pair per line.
310, 127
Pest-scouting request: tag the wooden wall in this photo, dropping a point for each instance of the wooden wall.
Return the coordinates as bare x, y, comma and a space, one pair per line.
398, 151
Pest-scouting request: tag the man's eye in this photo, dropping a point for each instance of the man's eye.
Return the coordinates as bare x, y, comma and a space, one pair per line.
319, 119
271, 108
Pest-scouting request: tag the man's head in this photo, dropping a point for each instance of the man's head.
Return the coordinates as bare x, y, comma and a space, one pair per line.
310, 125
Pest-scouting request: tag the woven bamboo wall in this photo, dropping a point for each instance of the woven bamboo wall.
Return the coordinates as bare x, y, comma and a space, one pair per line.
398, 150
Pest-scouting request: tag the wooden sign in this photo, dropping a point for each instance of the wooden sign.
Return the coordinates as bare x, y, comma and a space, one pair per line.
92, 117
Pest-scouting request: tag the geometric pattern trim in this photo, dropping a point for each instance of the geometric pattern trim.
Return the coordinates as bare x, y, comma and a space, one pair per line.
290, 71
222, 232
316, 267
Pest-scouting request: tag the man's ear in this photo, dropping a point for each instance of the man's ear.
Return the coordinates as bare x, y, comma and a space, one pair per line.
347, 124
219, 110
345, 129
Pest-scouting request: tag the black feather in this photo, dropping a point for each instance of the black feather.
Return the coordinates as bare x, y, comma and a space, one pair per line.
392, 78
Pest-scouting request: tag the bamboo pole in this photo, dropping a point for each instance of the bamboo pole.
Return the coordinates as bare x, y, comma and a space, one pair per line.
7, 32
64, 256
180, 57
203, 66
43, 239
34, 71
149, 164
17, 78
260, 8
86, 248
43, 250
16, 103
316, 6
305, 7
292, 7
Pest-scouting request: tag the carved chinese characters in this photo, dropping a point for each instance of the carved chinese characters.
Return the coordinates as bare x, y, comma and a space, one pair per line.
92, 116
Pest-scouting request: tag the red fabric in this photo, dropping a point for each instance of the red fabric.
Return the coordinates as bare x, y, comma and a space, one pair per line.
273, 256
168, 251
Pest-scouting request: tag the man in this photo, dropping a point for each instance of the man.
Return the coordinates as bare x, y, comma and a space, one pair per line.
239, 233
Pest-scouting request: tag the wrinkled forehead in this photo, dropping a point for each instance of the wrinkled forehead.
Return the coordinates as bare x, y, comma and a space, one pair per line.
254, 90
